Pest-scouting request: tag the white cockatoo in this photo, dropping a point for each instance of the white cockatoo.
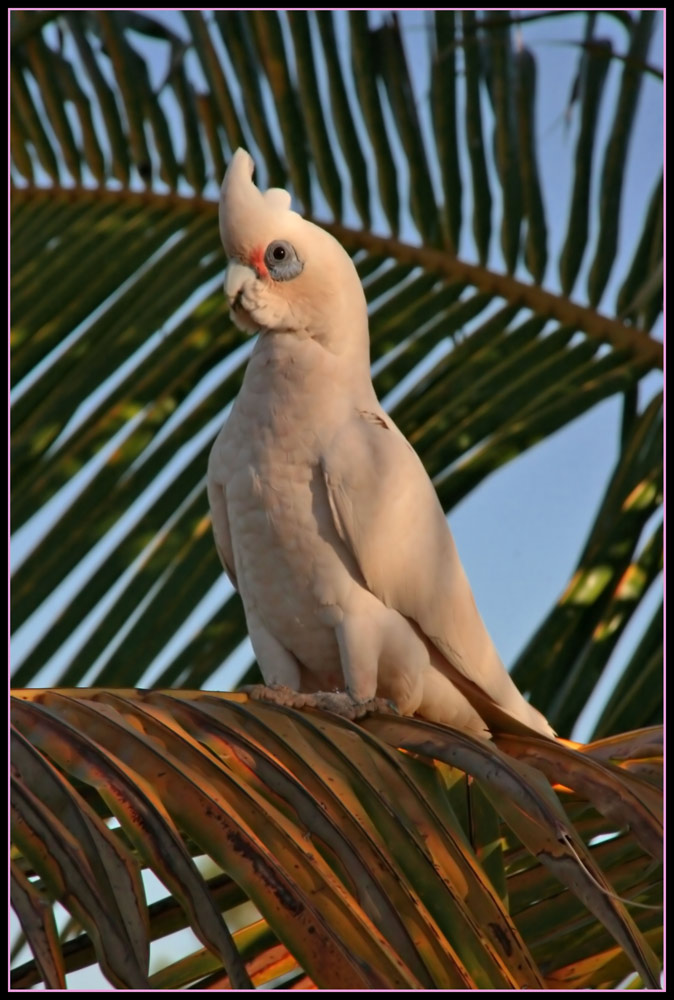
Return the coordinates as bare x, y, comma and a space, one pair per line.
324, 517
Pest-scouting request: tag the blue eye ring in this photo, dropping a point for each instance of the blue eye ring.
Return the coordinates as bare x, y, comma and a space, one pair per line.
281, 261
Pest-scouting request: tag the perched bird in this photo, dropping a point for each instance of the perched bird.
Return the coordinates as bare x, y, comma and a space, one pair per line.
323, 515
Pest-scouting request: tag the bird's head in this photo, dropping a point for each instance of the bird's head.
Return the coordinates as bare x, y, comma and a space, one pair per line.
285, 275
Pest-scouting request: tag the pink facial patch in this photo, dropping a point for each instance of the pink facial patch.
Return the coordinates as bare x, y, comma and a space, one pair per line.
257, 261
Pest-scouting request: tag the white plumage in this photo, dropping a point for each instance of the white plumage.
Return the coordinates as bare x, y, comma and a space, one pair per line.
323, 515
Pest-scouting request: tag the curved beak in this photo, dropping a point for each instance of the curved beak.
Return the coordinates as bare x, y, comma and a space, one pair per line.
235, 276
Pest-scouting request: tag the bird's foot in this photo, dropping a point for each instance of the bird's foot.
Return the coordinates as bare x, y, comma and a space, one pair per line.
277, 694
341, 703
338, 702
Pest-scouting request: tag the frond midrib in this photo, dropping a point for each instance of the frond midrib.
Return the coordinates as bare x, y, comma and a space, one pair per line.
639, 345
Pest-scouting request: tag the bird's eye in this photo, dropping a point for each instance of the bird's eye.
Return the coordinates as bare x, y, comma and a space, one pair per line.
282, 261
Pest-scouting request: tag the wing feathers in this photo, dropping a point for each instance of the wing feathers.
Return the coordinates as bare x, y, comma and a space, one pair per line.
386, 511
220, 521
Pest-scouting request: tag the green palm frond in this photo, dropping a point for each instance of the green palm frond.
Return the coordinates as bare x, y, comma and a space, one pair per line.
607, 587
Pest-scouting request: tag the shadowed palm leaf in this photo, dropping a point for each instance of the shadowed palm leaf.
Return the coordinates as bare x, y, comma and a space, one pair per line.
369, 867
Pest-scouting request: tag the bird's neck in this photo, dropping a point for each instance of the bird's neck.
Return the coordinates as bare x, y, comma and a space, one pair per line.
307, 368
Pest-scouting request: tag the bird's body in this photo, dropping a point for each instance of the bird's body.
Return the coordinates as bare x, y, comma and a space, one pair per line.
322, 513
269, 458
